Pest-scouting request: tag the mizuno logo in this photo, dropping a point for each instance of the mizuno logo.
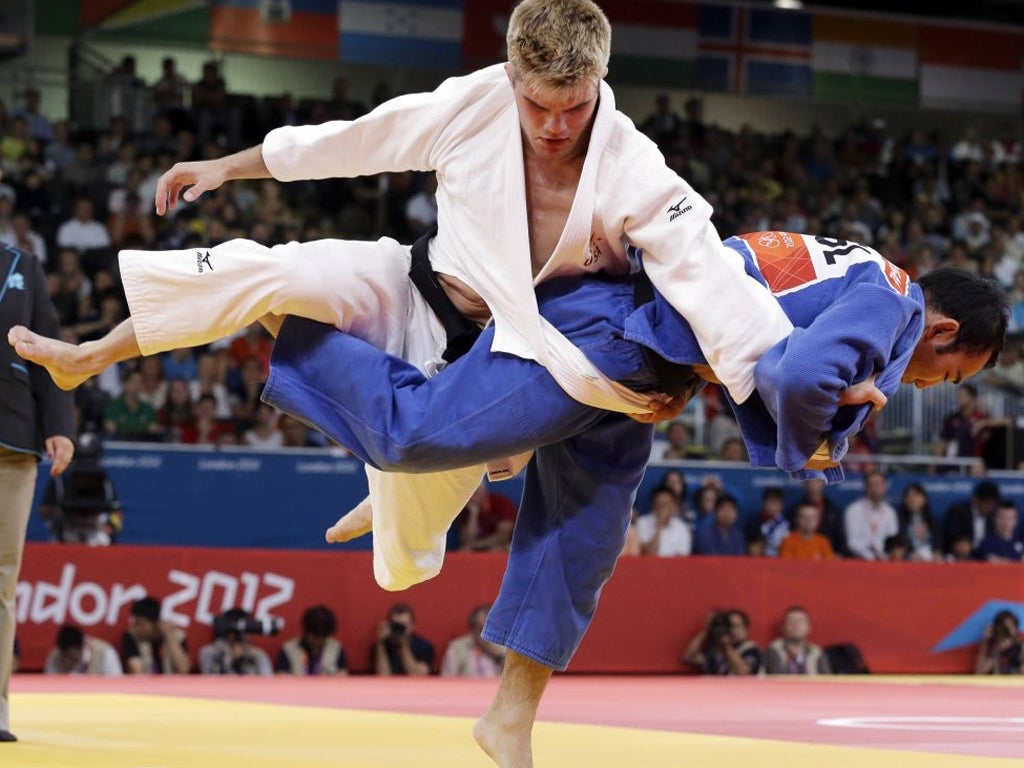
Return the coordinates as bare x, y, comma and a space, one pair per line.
201, 259
16, 282
677, 210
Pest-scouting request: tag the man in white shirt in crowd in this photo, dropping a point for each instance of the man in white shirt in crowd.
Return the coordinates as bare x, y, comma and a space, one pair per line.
871, 520
83, 232
663, 532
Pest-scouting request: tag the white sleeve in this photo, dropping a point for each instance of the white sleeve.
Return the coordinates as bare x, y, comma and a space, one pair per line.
111, 663
735, 318
685, 541
403, 134
449, 665
858, 535
263, 665
894, 522
645, 528
62, 236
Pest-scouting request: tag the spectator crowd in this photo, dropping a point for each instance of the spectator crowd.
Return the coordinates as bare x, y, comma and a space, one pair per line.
707, 520
74, 197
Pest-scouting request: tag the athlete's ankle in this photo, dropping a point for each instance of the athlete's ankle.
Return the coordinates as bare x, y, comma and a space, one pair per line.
90, 357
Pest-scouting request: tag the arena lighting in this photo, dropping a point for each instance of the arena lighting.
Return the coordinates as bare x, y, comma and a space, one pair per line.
788, 5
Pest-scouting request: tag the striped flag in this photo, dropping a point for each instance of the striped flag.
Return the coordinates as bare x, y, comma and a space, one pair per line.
864, 59
967, 67
654, 42
170, 21
305, 29
412, 33
753, 50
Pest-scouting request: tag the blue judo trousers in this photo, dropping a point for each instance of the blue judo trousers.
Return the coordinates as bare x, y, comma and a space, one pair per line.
582, 481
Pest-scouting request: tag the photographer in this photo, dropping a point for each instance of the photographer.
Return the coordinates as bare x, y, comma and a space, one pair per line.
316, 652
230, 653
81, 505
1001, 651
723, 646
399, 650
153, 646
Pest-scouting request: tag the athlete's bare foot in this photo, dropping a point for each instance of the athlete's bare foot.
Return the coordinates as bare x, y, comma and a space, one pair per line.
352, 525
68, 364
509, 746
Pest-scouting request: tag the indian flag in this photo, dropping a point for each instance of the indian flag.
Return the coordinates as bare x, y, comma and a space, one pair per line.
654, 42
965, 68
864, 59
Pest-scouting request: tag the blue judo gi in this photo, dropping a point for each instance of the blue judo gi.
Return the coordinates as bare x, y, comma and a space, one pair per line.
852, 320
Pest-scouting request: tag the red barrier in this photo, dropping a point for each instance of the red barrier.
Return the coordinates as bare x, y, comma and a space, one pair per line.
896, 613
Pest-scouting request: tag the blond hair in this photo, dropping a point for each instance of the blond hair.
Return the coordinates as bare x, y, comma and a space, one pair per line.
559, 43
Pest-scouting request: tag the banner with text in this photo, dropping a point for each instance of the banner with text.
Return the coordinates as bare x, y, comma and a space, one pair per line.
905, 617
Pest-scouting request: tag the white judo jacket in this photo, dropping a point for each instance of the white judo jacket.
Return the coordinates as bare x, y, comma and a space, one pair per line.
468, 132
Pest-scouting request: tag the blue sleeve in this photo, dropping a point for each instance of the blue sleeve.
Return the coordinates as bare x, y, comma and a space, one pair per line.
869, 329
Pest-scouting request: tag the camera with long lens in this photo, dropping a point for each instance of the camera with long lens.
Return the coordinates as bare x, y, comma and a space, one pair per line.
266, 626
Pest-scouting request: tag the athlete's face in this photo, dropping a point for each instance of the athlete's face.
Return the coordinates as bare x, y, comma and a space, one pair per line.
555, 121
930, 366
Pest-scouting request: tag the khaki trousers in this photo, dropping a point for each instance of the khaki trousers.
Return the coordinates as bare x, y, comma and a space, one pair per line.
17, 484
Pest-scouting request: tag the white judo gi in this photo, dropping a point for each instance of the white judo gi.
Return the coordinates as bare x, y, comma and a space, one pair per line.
468, 132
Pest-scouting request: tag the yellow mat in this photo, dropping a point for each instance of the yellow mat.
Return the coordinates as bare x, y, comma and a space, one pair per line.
126, 731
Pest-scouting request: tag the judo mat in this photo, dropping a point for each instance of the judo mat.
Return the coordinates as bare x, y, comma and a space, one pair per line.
366, 722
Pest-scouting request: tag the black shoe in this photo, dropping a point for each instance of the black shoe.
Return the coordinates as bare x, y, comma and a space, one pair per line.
7, 736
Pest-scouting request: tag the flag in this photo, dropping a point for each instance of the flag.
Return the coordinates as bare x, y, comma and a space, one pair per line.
306, 29
968, 67
412, 33
654, 42
864, 59
753, 50
178, 21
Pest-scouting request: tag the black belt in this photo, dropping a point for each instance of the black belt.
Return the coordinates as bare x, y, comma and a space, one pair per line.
674, 379
460, 331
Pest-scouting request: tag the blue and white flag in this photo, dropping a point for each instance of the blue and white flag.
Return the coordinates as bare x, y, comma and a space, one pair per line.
411, 33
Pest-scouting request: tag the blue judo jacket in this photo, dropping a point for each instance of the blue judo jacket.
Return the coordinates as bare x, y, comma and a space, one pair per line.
854, 314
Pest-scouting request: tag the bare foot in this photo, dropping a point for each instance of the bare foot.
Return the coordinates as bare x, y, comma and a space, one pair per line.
507, 746
66, 363
352, 525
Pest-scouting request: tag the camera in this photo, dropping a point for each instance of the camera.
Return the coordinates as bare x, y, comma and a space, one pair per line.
267, 626
398, 628
720, 628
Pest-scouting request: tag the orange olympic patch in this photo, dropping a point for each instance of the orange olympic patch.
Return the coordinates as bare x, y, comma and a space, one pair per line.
783, 259
896, 277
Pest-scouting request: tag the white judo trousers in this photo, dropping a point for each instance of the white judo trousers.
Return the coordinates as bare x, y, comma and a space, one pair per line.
186, 298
